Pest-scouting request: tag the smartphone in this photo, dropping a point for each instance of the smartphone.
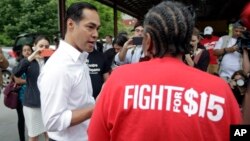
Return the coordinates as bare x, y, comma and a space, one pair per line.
47, 52
137, 40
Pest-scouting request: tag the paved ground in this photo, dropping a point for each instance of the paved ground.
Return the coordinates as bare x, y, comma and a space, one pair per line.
8, 124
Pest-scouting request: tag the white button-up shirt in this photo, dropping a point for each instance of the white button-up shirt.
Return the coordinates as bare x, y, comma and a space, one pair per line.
65, 85
133, 55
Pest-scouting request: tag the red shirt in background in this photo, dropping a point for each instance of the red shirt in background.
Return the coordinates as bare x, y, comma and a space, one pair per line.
163, 99
209, 44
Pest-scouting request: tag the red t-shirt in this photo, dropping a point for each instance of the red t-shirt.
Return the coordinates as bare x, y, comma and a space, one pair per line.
163, 99
209, 44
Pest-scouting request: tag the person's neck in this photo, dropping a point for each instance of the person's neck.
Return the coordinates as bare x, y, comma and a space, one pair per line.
195, 48
70, 41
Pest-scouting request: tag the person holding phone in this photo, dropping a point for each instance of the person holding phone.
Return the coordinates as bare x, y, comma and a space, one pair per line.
132, 51
31, 66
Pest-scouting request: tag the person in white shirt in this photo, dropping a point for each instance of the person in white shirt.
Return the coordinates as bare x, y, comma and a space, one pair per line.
108, 43
130, 53
64, 84
227, 48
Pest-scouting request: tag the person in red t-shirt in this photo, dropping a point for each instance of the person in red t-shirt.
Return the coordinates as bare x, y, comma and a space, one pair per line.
208, 42
163, 98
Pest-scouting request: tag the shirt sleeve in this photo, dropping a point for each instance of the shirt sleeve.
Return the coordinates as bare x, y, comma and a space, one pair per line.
21, 67
127, 59
218, 44
54, 93
117, 60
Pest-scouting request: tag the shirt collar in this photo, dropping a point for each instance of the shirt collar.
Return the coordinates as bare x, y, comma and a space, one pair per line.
73, 52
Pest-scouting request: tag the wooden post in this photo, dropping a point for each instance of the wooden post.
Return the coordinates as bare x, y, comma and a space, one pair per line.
115, 19
62, 17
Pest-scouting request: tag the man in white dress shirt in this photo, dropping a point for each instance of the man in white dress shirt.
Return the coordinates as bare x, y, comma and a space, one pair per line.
64, 84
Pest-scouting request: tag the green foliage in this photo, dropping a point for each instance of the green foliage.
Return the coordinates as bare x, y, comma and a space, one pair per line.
41, 16
26, 16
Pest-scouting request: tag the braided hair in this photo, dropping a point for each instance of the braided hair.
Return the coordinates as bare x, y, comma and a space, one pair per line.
170, 25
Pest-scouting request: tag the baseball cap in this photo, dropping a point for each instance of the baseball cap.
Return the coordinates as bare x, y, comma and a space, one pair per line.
208, 30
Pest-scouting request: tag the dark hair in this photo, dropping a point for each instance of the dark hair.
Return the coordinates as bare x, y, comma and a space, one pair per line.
238, 24
120, 40
75, 11
124, 33
40, 37
20, 57
110, 36
138, 23
170, 25
239, 72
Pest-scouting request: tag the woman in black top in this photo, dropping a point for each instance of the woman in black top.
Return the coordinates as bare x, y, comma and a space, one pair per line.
32, 66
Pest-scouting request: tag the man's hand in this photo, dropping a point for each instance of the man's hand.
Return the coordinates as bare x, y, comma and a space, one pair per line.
35, 54
231, 49
127, 45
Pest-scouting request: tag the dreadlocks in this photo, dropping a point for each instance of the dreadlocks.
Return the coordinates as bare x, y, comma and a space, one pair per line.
170, 25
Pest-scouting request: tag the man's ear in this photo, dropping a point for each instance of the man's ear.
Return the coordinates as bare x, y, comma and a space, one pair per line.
70, 24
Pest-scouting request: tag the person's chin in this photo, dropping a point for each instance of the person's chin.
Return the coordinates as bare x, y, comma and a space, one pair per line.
90, 49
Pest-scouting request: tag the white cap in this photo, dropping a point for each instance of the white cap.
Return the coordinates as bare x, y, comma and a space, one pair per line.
208, 30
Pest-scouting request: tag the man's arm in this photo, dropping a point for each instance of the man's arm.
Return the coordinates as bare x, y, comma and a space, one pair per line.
19, 80
127, 45
221, 47
225, 50
245, 61
54, 93
80, 115
246, 106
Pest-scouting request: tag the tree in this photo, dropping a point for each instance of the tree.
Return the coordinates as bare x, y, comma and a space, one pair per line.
27, 16
41, 16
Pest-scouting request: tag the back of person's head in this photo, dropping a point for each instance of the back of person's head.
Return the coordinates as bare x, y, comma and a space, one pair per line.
75, 11
120, 40
170, 25
123, 33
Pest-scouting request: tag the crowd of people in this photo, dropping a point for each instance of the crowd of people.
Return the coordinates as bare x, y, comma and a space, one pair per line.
174, 79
